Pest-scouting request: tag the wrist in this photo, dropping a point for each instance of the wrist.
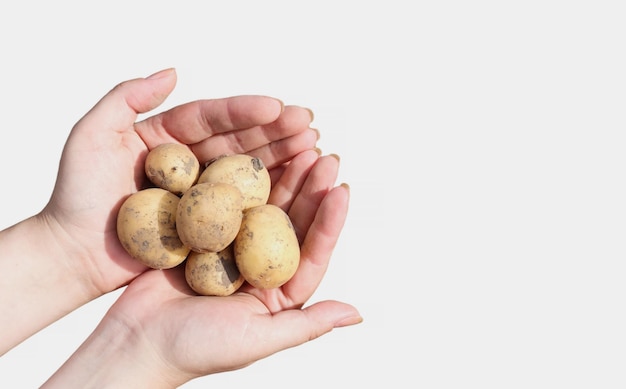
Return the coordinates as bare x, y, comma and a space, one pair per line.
40, 283
114, 356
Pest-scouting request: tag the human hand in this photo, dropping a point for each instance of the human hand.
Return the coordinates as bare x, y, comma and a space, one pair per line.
102, 162
159, 333
77, 256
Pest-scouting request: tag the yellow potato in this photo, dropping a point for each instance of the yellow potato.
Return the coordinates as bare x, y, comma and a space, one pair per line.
146, 227
267, 251
213, 274
247, 173
173, 167
209, 216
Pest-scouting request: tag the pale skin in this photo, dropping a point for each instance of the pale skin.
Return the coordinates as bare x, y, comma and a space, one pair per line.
159, 334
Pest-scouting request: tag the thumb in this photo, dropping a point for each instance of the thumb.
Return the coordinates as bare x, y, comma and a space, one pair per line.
118, 109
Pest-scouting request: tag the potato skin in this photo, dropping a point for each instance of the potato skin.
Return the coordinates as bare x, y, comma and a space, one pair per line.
146, 227
246, 172
209, 216
267, 251
213, 274
173, 167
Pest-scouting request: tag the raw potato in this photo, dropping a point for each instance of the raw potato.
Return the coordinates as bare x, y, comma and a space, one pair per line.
173, 167
267, 251
246, 172
213, 274
209, 216
146, 227
217, 220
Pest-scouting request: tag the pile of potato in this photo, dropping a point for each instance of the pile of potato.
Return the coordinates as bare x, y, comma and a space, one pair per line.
216, 219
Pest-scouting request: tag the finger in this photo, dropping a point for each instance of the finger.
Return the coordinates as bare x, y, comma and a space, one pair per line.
118, 109
193, 122
264, 138
318, 245
318, 182
291, 179
291, 328
278, 152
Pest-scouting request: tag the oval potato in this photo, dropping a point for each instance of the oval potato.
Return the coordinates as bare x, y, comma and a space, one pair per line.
173, 167
267, 251
213, 274
246, 172
209, 216
146, 227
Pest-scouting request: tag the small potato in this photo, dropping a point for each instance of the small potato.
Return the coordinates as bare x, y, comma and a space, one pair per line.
146, 227
266, 248
213, 274
209, 216
173, 167
246, 172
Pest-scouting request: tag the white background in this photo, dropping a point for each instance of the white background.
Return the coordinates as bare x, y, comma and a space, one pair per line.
484, 143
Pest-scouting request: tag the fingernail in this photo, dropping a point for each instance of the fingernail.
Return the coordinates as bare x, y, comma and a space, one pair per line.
345, 185
160, 74
282, 104
311, 113
317, 150
349, 321
336, 157
317, 133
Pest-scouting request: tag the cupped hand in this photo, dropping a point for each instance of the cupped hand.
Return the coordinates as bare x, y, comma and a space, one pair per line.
103, 161
192, 336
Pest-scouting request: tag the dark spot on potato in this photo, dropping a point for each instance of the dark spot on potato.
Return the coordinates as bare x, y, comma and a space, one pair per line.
257, 164
204, 268
230, 273
171, 242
